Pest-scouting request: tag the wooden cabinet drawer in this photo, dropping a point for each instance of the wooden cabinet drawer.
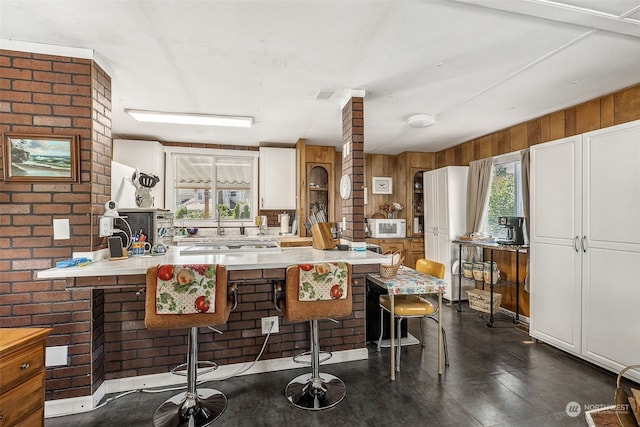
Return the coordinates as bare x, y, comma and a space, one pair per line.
417, 245
20, 403
21, 365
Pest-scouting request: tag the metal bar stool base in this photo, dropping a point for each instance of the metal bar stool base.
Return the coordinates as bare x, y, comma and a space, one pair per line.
201, 410
316, 394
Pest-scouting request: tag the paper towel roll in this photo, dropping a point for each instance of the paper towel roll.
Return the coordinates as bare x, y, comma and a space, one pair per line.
284, 223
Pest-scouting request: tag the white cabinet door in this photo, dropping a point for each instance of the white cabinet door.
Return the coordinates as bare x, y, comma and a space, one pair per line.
148, 156
277, 178
444, 204
442, 200
555, 254
585, 245
611, 246
429, 186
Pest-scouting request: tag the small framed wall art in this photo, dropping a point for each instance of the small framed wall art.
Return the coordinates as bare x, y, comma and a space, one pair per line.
41, 158
381, 185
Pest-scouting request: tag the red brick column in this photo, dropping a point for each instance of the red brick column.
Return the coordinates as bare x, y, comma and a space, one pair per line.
353, 165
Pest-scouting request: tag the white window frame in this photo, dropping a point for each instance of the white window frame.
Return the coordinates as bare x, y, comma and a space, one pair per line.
169, 190
498, 160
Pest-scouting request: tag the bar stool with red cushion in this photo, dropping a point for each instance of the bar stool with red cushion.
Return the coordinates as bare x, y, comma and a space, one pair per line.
314, 292
188, 296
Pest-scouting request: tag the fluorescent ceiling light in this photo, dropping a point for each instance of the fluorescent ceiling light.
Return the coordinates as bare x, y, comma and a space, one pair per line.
190, 119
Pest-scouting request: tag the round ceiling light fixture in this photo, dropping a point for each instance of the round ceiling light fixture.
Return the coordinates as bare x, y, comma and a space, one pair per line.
421, 120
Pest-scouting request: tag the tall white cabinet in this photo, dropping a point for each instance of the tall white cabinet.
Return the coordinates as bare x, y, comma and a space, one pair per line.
585, 245
445, 200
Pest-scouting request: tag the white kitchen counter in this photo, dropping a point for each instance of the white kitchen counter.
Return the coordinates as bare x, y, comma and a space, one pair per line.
233, 261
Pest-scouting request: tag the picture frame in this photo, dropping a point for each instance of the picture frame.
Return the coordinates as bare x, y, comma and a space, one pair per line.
381, 185
41, 158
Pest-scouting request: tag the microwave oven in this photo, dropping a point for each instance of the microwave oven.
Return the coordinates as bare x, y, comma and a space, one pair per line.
387, 228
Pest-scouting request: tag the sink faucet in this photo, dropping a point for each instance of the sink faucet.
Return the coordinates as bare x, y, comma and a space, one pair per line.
220, 229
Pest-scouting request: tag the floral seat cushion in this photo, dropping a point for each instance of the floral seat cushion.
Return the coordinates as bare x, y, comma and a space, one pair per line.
186, 289
324, 281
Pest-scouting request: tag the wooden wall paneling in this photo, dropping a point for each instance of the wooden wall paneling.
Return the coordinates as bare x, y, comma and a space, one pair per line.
518, 137
545, 129
606, 111
503, 142
627, 105
534, 133
400, 182
570, 121
378, 165
557, 127
588, 116
483, 148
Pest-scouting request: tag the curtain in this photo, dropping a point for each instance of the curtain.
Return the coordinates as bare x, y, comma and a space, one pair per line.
524, 167
478, 190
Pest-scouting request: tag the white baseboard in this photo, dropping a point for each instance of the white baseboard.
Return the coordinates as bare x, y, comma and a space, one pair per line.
76, 405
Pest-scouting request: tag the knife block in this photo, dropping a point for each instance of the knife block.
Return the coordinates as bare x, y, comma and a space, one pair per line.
322, 237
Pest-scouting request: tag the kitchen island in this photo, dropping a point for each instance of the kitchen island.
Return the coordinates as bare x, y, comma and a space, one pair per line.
125, 355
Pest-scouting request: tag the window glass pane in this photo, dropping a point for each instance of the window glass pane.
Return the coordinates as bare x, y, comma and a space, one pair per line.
505, 198
233, 184
207, 184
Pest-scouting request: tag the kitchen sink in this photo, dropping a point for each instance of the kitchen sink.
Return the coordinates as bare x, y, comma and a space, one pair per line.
224, 246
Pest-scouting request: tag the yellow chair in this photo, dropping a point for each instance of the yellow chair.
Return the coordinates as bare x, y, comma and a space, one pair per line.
409, 306
189, 296
314, 292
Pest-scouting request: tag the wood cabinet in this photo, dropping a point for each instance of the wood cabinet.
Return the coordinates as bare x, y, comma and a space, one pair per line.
317, 186
277, 178
392, 245
22, 376
445, 195
584, 243
415, 212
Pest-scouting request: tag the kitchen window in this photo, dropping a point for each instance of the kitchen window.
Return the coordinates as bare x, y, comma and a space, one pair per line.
206, 185
505, 198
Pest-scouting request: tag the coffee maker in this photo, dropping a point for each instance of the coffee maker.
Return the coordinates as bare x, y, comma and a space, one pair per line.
515, 235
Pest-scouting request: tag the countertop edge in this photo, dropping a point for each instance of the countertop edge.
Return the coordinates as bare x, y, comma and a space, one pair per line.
245, 261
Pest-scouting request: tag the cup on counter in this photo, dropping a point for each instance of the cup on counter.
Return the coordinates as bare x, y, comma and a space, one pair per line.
140, 248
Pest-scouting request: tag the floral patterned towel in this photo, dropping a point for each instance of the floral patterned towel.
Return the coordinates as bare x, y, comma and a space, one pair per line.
186, 289
325, 281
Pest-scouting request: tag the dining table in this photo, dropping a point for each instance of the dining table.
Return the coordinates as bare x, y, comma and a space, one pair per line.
408, 281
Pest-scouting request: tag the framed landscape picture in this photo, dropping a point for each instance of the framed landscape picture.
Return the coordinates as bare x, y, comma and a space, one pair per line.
41, 158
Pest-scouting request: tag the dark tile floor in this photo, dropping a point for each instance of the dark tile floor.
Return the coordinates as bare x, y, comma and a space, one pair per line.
496, 377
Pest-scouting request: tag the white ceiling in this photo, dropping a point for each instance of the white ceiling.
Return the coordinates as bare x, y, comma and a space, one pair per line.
477, 65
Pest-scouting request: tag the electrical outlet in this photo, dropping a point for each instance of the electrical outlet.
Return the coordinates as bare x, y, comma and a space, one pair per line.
106, 226
266, 321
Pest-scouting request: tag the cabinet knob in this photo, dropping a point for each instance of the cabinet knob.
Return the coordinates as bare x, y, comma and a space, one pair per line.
25, 365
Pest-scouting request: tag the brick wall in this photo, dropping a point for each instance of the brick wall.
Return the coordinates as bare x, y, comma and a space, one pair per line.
130, 349
50, 95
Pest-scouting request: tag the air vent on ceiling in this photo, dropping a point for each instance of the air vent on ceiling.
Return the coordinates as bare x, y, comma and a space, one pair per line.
324, 94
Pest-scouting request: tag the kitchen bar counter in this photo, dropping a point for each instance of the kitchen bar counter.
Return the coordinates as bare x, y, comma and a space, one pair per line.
233, 261
125, 355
